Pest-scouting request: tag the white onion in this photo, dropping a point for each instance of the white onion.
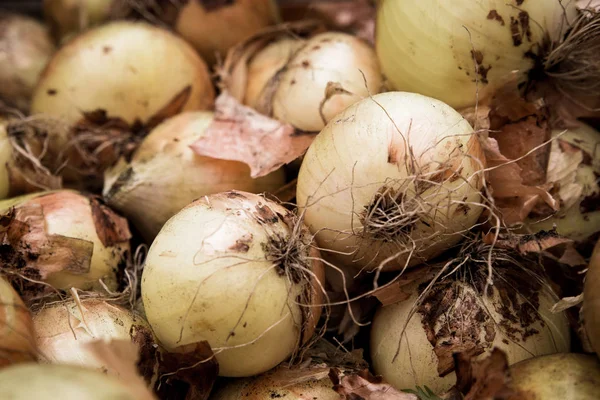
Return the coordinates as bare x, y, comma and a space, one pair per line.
591, 300
233, 268
433, 194
165, 174
463, 50
70, 17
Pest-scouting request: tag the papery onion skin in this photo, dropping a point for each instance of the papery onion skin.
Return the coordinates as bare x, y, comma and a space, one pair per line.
361, 151
165, 174
466, 49
209, 275
591, 300
558, 376
17, 342
25, 49
214, 32
70, 17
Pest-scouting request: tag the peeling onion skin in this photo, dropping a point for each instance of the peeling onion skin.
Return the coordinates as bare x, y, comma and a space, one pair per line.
208, 262
70, 17
214, 32
334, 195
559, 376
25, 49
591, 300
416, 364
431, 52
165, 174
17, 342
129, 69
61, 331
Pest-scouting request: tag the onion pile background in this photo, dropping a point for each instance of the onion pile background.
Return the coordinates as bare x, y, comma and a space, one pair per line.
348, 199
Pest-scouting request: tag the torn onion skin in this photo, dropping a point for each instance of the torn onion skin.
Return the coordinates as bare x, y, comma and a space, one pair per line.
591, 300
391, 181
237, 270
68, 18
165, 174
17, 342
64, 239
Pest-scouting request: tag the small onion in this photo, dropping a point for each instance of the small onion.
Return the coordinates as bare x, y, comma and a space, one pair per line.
63, 329
455, 316
70, 17
557, 376
64, 239
365, 195
238, 271
25, 49
466, 49
16, 329
591, 300
165, 174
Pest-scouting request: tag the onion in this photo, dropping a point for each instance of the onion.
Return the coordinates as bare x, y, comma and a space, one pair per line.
165, 174
63, 329
238, 271
25, 49
591, 300
16, 330
64, 239
466, 49
70, 17
557, 376
366, 197
214, 31
456, 316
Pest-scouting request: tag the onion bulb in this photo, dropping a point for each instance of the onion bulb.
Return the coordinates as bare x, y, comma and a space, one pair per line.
213, 30
70, 17
307, 82
466, 49
64, 239
412, 343
63, 329
393, 179
238, 271
16, 329
591, 300
557, 376
165, 174
25, 49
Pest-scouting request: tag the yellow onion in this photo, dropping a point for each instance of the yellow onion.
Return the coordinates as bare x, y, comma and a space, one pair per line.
213, 30
63, 329
557, 376
70, 17
63, 238
591, 300
464, 50
165, 174
25, 49
394, 179
16, 329
416, 349
238, 271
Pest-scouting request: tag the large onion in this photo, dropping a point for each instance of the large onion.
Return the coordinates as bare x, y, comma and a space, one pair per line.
165, 174
25, 49
393, 178
238, 271
455, 316
63, 238
591, 300
466, 49
70, 17
16, 331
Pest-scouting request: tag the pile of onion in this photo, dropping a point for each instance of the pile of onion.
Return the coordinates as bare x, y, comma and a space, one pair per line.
64, 239
71, 17
17, 342
25, 49
240, 272
392, 181
591, 300
165, 174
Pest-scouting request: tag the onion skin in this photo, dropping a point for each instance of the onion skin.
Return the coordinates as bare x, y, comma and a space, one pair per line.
214, 32
70, 17
557, 376
25, 49
363, 138
165, 174
16, 328
436, 53
591, 300
209, 275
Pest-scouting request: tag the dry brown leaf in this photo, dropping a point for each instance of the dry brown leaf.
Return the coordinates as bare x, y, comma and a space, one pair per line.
509, 104
483, 380
110, 227
566, 303
365, 386
478, 117
563, 164
240, 133
397, 292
